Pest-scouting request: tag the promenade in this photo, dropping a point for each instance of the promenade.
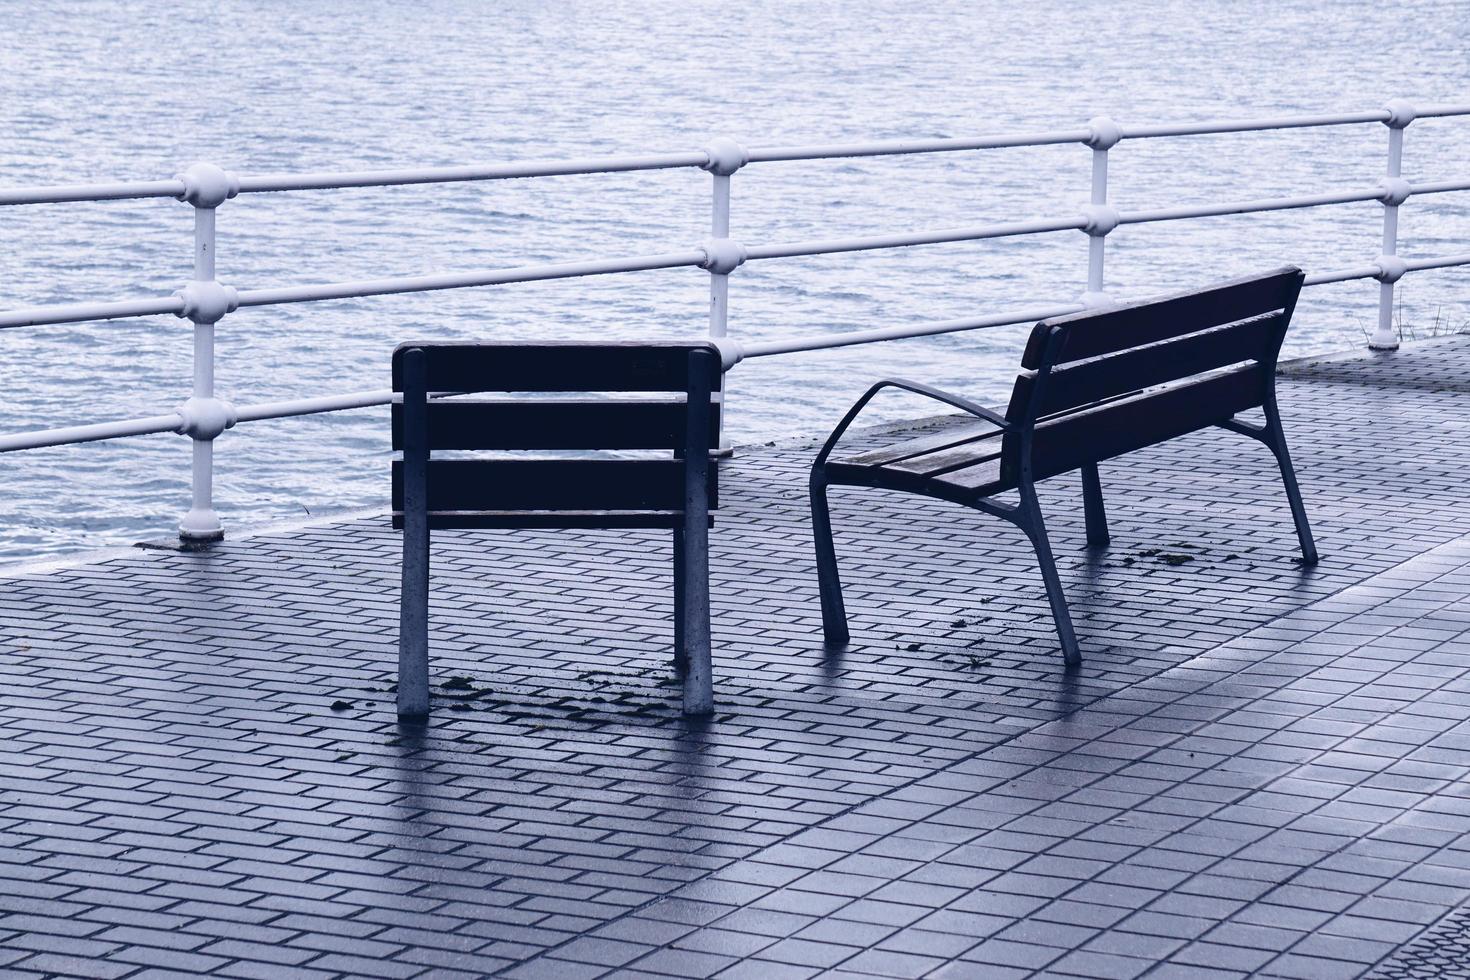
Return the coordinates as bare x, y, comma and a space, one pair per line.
1260, 769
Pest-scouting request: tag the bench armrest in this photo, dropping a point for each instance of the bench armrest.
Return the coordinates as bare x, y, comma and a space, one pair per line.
964, 404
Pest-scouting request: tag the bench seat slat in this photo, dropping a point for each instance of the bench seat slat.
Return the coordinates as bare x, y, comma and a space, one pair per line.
954, 458
965, 485
560, 424
554, 484
955, 435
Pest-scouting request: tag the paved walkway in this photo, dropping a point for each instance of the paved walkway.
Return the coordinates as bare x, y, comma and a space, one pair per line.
1260, 769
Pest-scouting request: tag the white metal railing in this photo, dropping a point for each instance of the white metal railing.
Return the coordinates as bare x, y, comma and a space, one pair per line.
204, 300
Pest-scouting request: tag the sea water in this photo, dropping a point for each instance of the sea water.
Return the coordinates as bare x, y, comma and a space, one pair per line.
95, 91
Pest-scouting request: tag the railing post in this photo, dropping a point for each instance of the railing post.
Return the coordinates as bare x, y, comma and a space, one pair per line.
1101, 219
203, 417
1396, 191
725, 157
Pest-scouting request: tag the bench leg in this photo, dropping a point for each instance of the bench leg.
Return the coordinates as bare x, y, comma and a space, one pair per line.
413, 619
693, 629
834, 614
1035, 528
1092, 507
1276, 439
681, 653
413, 595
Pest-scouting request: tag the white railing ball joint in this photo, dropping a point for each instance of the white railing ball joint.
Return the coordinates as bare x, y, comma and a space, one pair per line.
725, 156
205, 418
1400, 114
1396, 191
207, 301
207, 186
722, 256
1391, 268
1103, 133
1100, 220
732, 351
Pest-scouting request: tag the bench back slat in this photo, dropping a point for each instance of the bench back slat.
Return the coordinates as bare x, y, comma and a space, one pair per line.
618, 492
552, 367
1064, 443
554, 484
1091, 334
1103, 383
1080, 383
561, 424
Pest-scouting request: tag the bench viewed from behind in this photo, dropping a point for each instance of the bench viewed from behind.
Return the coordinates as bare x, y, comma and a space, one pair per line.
676, 411
1093, 386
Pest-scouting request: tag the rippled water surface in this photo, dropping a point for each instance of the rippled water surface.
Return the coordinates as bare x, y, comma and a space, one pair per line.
138, 90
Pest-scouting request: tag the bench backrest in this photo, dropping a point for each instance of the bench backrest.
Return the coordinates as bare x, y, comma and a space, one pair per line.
1102, 383
513, 489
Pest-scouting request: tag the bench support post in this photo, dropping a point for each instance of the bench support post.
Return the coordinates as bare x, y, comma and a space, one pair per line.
1029, 519
692, 637
1092, 508
413, 605
1274, 436
829, 583
681, 650
1276, 439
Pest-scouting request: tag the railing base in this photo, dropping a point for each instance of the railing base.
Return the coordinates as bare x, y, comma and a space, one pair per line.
201, 539
1375, 345
201, 525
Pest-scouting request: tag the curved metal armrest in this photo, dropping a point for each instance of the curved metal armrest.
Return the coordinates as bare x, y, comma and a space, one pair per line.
964, 404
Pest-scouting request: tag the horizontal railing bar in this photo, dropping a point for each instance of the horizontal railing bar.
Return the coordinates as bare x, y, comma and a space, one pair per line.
365, 399
1436, 111
93, 432
827, 341
1248, 207
314, 406
832, 245
1253, 125
878, 148
85, 312
63, 193
1282, 122
1442, 262
326, 403
461, 280
499, 171
1033, 315
1439, 186
1342, 275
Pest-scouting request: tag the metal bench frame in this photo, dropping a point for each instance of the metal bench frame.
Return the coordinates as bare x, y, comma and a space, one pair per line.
677, 493
1045, 348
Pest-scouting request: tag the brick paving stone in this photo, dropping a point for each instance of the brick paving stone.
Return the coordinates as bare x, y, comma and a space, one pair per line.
1258, 768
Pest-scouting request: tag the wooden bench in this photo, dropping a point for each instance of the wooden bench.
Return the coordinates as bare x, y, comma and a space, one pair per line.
514, 490
1093, 386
